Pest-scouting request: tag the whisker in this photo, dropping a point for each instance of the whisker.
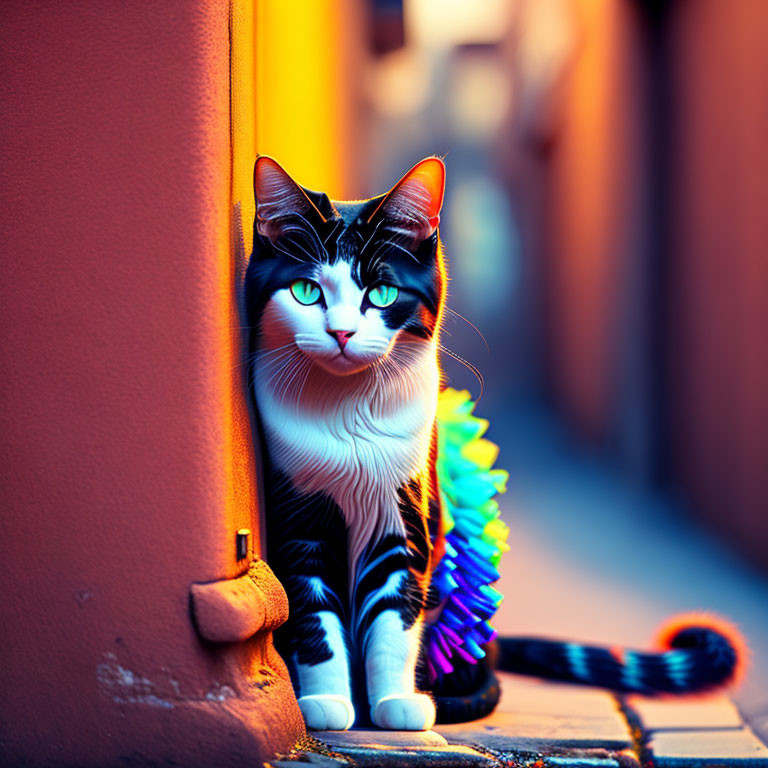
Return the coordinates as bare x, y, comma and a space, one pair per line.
259, 355
282, 366
373, 234
249, 358
274, 357
308, 370
471, 324
335, 229
282, 249
475, 371
267, 352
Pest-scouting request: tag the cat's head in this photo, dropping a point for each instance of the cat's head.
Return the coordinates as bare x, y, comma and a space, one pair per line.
345, 282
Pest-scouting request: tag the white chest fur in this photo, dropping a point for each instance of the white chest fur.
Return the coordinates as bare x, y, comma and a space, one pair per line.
358, 445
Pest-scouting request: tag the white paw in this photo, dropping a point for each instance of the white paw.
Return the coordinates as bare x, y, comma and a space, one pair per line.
327, 712
406, 712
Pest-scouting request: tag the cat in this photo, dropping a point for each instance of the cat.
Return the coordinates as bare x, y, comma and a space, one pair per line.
344, 302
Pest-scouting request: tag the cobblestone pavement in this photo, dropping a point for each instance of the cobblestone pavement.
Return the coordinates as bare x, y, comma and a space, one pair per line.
594, 557
545, 725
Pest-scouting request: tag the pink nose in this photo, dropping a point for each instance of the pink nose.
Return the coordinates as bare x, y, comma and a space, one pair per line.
342, 337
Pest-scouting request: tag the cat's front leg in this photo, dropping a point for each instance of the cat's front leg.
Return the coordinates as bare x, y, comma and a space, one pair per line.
307, 550
392, 611
325, 698
390, 666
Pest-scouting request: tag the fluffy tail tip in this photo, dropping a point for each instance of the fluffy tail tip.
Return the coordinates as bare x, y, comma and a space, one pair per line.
724, 646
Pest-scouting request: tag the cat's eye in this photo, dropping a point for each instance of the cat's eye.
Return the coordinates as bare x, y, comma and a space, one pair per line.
306, 292
382, 295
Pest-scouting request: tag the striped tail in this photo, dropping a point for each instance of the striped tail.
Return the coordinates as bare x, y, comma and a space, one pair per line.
698, 653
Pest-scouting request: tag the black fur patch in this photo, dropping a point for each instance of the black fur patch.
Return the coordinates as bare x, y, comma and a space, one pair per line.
375, 254
306, 539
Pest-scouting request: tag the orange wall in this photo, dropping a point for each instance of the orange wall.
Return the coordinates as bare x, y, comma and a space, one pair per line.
696, 391
588, 210
719, 350
125, 458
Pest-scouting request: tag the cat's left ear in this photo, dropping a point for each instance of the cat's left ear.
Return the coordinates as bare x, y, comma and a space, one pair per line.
412, 207
278, 198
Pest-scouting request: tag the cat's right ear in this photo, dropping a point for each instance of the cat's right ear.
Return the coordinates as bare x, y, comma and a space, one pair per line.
411, 208
278, 197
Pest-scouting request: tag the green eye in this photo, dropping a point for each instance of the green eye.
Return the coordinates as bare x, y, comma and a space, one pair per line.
382, 295
306, 292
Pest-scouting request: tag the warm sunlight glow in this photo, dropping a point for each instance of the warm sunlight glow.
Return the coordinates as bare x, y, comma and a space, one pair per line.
240, 483
243, 113
398, 83
437, 23
300, 105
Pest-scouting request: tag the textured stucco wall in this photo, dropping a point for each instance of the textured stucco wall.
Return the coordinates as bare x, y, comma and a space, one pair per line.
656, 196
718, 362
590, 206
124, 459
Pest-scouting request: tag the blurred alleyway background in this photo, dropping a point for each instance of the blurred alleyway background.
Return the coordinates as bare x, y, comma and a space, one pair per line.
607, 243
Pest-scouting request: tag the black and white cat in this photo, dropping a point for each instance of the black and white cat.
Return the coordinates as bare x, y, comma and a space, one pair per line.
344, 301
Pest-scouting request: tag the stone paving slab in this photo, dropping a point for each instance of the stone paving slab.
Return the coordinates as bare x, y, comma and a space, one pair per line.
541, 717
511, 731
451, 756
587, 761
362, 737
307, 759
546, 724
688, 713
708, 749
529, 696
759, 724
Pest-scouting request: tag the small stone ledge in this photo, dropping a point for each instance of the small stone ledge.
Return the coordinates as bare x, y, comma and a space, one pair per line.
232, 610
